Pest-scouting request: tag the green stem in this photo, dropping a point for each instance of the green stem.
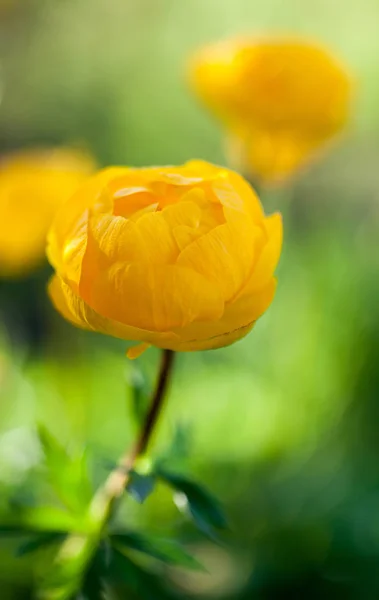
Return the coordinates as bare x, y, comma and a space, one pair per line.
118, 480
78, 549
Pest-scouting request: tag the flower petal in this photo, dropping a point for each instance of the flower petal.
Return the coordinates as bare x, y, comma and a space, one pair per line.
109, 239
239, 317
136, 351
155, 297
158, 242
75, 310
224, 255
185, 212
269, 258
235, 193
68, 222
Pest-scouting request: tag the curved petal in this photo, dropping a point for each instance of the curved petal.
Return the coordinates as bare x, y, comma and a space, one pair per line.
108, 239
219, 340
72, 252
75, 310
68, 221
237, 320
155, 297
201, 168
269, 258
136, 351
200, 336
158, 241
186, 212
236, 194
224, 255
230, 188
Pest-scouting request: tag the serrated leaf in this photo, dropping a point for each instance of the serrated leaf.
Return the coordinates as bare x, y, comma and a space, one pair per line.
202, 506
161, 549
40, 541
141, 486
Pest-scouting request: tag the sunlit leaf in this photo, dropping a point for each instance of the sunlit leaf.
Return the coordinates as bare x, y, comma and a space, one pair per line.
55, 454
67, 474
42, 518
201, 505
161, 549
64, 578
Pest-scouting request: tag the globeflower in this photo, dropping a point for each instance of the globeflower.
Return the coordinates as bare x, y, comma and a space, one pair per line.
182, 258
280, 100
33, 184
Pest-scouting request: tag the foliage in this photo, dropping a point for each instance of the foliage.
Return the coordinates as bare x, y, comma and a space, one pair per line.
92, 558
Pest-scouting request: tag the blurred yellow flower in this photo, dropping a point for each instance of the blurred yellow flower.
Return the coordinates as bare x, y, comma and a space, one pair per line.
182, 258
280, 100
33, 184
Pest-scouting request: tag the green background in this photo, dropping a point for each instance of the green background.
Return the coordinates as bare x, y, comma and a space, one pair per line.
283, 426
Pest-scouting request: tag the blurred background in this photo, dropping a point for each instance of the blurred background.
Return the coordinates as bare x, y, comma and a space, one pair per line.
283, 426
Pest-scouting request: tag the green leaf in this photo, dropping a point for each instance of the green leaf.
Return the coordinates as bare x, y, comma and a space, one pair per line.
68, 475
42, 519
181, 443
178, 451
201, 505
141, 486
39, 541
94, 581
141, 392
65, 575
12, 528
54, 452
161, 549
123, 571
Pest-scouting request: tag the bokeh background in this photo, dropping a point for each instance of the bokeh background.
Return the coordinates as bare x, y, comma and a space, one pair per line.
284, 426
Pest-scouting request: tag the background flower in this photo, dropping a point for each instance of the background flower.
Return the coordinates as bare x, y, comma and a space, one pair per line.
179, 257
280, 100
33, 184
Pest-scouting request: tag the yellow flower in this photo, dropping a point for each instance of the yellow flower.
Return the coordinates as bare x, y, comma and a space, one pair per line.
33, 184
280, 100
182, 258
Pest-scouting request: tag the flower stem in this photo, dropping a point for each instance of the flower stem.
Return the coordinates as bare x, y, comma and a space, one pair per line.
78, 549
119, 478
